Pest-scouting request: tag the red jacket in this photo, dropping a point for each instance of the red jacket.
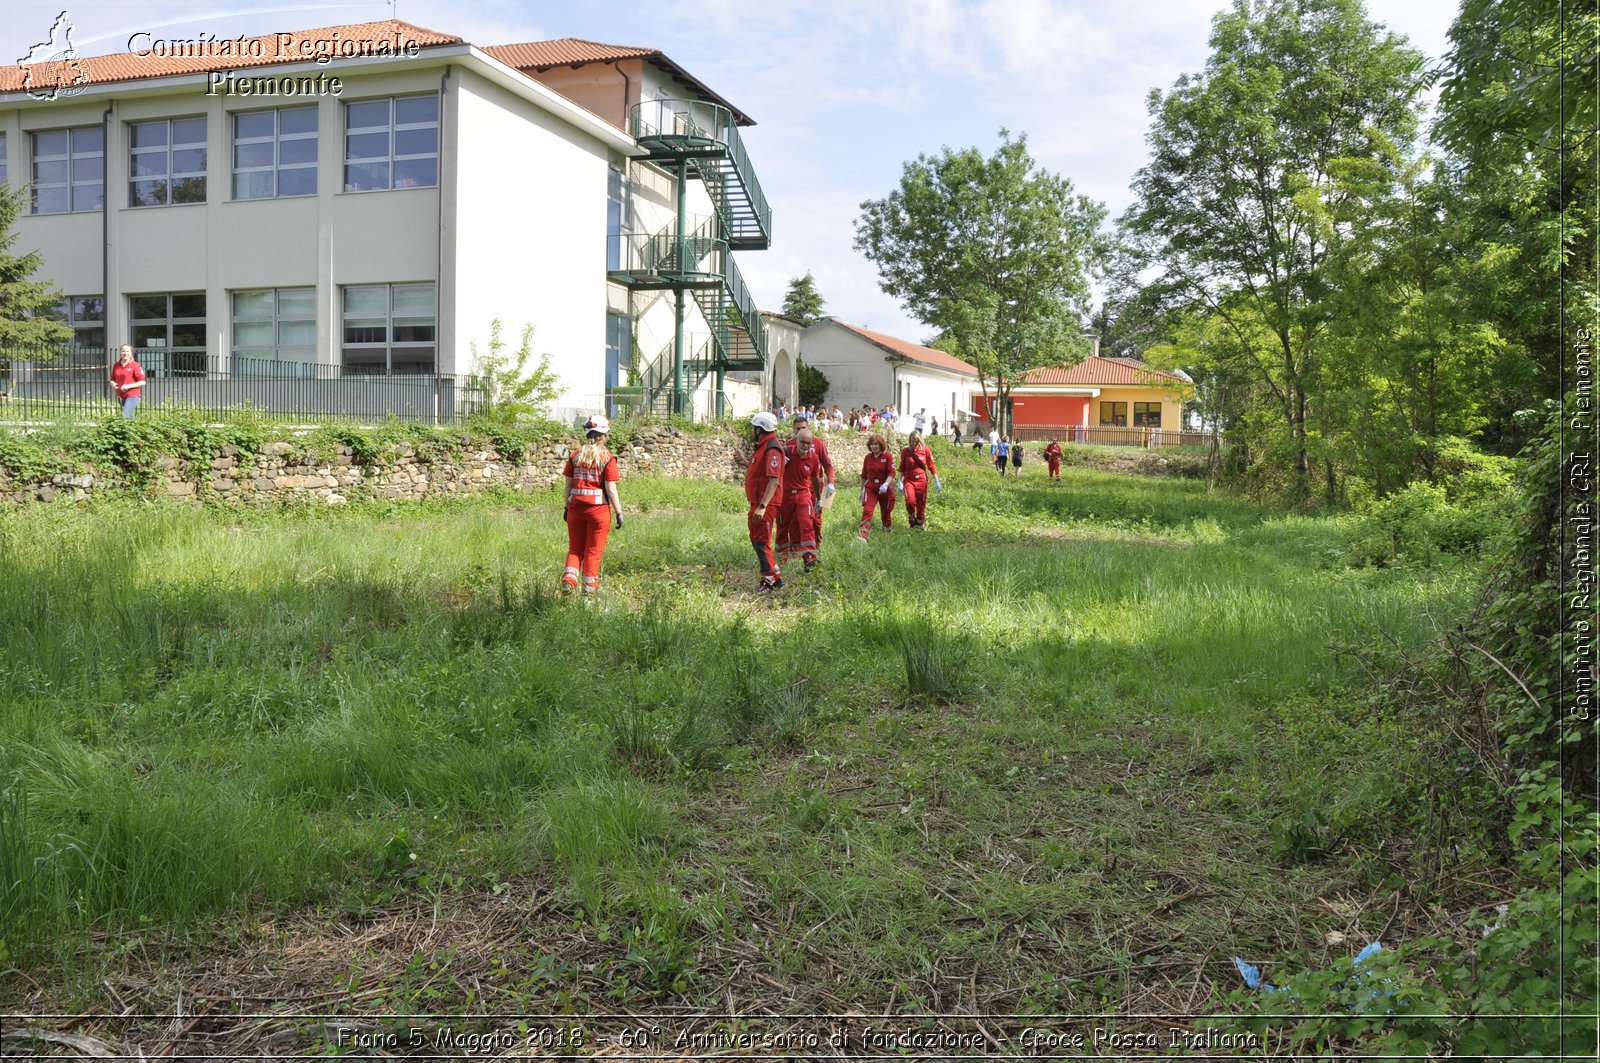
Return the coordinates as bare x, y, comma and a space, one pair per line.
765, 464
801, 470
588, 482
875, 470
915, 465
1053, 451
822, 455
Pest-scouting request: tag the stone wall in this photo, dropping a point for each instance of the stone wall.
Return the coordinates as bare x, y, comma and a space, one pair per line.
284, 470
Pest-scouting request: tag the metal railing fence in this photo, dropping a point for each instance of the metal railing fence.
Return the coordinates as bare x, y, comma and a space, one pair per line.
74, 384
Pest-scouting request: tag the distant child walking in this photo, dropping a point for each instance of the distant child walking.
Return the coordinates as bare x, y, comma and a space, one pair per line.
1002, 452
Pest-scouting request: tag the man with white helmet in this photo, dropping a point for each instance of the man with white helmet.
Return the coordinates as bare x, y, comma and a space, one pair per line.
761, 481
591, 476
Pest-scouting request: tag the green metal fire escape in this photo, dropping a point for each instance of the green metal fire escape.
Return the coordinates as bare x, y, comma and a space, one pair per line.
693, 257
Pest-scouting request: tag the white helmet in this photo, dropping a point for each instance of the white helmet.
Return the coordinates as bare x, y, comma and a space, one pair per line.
764, 421
597, 425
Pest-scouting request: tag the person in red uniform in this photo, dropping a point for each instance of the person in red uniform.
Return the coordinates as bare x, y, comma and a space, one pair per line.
127, 380
916, 466
1052, 457
591, 477
877, 485
824, 500
802, 484
762, 479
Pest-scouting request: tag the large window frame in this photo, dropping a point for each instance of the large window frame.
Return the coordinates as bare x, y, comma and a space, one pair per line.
168, 330
274, 153
391, 142
383, 331
4, 164
274, 332
71, 165
1114, 414
85, 315
1147, 415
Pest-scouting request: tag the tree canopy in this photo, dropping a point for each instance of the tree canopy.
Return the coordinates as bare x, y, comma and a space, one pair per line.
802, 303
27, 306
995, 253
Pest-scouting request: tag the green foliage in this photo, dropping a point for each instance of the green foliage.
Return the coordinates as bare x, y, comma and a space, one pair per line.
995, 253
512, 390
802, 303
1239, 210
27, 307
813, 384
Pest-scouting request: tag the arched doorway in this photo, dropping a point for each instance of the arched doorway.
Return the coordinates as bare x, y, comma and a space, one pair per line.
783, 379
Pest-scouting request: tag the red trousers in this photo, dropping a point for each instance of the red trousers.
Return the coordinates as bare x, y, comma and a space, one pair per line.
587, 529
884, 503
797, 527
916, 502
761, 539
1055, 467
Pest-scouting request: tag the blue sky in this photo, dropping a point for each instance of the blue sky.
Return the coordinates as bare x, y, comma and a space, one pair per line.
844, 92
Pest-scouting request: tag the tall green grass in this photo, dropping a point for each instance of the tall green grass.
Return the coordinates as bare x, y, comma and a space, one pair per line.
203, 710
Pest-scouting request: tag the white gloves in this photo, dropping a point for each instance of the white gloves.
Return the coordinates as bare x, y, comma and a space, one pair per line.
883, 487
829, 492
938, 484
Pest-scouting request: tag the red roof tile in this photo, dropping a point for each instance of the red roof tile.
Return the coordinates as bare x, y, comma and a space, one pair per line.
911, 352
573, 51
1098, 370
366, 38
539, 56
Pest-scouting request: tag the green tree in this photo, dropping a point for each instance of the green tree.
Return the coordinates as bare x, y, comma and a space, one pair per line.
813, 384
995, 253
803, 303
509, 386
1240, 209
26, 305
1518, 113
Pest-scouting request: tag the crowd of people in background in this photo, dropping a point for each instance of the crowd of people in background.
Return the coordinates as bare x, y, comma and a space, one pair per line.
862, 419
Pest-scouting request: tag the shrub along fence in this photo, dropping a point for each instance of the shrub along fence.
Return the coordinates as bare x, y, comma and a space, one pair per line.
73, 384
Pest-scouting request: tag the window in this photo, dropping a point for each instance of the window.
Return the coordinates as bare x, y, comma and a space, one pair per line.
391, 143
69, 169
275, 153
1147, 414
614, 219
389, 328
1114, 413
3, 166
167, 162
86, 316
275, 332
169, 332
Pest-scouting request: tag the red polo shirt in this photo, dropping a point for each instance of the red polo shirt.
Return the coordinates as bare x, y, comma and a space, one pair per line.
132, 373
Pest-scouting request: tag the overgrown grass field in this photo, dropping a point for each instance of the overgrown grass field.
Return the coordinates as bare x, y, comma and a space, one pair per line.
1070, 750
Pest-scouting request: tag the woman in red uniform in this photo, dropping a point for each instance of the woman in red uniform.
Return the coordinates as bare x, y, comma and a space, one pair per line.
591, 477
916, 465
802, 485
1052, 457
877, 485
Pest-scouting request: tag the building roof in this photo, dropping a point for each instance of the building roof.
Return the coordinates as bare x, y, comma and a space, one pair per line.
1100, 370
367, 38
539, 56
911, 352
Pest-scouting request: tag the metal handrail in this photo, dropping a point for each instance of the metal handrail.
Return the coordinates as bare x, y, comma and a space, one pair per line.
702, 128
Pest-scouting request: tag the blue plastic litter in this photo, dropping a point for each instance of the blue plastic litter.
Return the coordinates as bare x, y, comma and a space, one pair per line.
1252, 976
